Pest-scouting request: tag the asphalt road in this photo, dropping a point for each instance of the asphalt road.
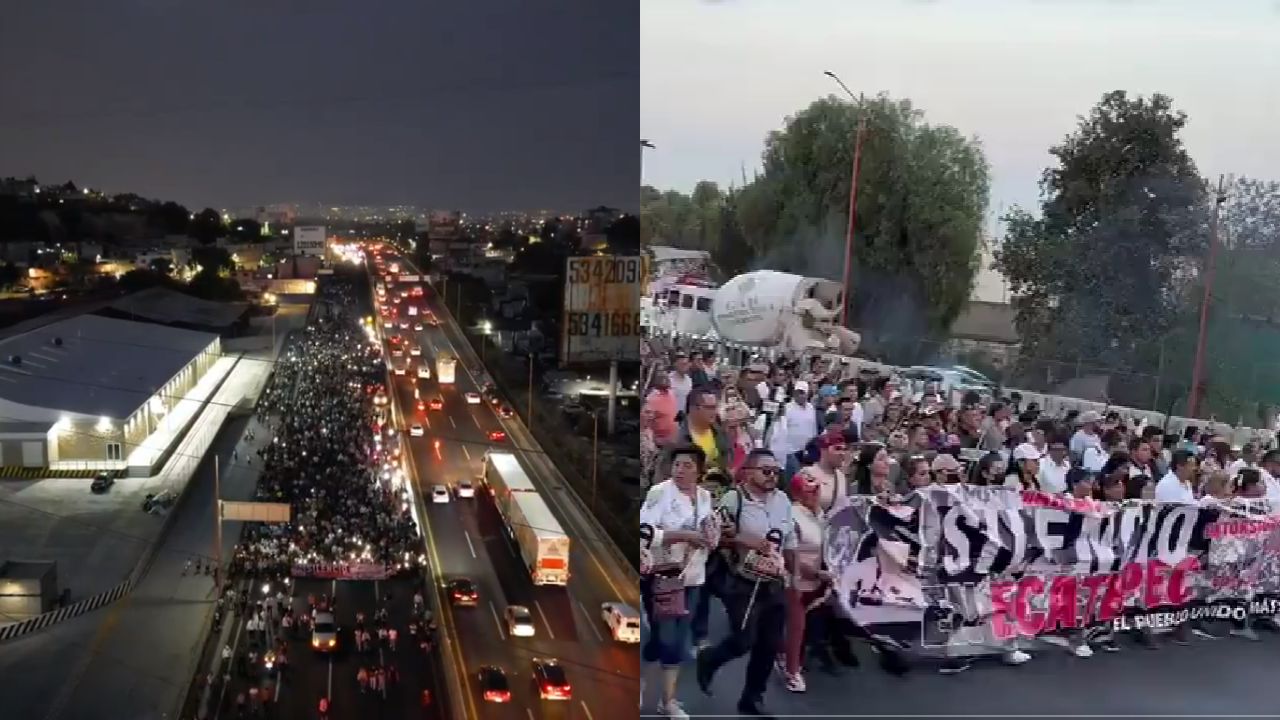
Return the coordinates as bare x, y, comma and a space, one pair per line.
311, 675
1221, 678
469, 540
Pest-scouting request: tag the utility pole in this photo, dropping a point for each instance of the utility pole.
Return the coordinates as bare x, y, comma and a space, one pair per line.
1197, 374
856, 172
595, 456
530, 392
217, 525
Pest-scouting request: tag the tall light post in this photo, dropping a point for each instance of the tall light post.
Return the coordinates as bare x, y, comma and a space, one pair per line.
858, 139
1197, 372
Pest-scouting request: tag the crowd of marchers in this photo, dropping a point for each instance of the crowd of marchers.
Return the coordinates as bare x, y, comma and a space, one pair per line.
744, 464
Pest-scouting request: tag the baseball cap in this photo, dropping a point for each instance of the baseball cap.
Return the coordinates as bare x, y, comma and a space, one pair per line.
945, 463
800, 386
1026, 451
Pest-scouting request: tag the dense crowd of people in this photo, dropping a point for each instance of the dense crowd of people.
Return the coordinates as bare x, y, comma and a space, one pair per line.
744, 464
326, 459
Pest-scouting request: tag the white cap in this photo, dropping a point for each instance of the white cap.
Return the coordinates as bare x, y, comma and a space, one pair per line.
1026, 451
800, 385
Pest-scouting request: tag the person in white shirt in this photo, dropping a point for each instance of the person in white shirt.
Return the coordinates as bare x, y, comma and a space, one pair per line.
1095, 456
1087, 435
681, 381
1248, 459
1178, 485
685, 527
1271, 475
1053, 469
796, 425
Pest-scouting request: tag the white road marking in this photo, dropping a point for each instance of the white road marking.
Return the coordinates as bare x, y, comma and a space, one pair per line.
591, 622
544, 620
476, 420
586, 710
494, 610
526, 709
470, 547
466, 452
427, 419
451, 422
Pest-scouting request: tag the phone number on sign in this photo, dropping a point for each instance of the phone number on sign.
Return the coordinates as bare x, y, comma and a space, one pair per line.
599, 324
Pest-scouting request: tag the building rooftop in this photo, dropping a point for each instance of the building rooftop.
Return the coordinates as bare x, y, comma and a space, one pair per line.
103, 367
162, 305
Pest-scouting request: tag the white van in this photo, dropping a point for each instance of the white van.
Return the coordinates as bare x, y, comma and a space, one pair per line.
623, 621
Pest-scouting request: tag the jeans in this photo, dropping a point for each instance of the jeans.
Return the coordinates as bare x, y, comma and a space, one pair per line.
669, 638
758, 632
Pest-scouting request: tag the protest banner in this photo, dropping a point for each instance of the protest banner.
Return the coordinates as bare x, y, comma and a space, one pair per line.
985, 566
342, 571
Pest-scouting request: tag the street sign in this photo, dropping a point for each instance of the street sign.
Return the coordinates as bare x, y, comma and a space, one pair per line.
601, 309
309, 240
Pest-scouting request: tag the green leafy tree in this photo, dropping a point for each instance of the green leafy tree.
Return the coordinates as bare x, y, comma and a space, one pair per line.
922, 197
734, 255
1095, 277
624, 235
212, 258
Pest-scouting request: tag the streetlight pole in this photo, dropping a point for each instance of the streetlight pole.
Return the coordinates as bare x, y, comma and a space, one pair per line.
859, 138
217, 525
1197, 373
530, 392
595, 455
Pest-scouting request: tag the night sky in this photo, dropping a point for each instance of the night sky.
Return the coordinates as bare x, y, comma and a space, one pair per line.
474, 105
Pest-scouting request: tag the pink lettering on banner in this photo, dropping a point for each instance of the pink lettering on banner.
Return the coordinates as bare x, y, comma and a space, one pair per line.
1151, 584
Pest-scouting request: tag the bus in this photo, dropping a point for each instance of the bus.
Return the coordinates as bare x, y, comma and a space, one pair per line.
445, 367
542, 544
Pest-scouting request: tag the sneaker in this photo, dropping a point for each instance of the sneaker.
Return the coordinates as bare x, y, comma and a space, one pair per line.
794, 682
954, 666
1016, 657
1109, 645
1247, 633
1082, 651
672, 709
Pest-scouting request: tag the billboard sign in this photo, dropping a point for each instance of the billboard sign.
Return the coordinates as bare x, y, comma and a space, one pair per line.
342, 571
601, 309
444, 225
309, 240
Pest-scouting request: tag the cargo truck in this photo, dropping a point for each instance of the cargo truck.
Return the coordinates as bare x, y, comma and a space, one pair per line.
542, 544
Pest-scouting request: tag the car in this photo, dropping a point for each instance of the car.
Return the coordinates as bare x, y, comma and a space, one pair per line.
505, 411
497, 436
415, 351
550, 679
397, 353
424, 371
436, 403
400, 369
388, 324
623, 621
404, 324
433, 322
102, 482
415, 430
465, 488
422, 406
397, 299
324, 633
519, 621
463, 592
473, 398
439, 494
493, 684
417, 327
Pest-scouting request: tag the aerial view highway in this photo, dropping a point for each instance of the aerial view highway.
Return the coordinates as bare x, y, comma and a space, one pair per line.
552, 643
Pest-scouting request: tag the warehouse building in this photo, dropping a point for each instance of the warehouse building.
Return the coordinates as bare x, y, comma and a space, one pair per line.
87, 391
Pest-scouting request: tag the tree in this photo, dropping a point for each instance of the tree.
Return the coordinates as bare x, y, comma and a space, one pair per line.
143, 279
10, 274
685, 221
171, 217
1094, 277
923, 194
246, 230
733, 253
207, 226
624, 235
211, 258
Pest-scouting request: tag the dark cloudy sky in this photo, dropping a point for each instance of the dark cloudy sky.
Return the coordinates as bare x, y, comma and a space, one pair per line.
470, 104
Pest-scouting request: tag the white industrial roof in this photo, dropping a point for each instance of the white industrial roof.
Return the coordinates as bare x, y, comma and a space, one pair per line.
104, 366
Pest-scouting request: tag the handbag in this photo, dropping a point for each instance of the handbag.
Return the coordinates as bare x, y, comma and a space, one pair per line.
669, 596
